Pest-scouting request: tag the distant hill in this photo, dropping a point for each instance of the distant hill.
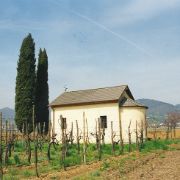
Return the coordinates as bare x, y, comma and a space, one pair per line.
178, 106
158, 109
8, 113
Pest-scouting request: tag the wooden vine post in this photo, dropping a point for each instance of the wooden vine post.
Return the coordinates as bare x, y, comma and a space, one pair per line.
52, 141
137, 142
155, 131
146, 128
64, 148
96, 134
112, 139
167, 130
7, 149
63, 151
6, 132
129, 137
71, 134
141, 134
33, 116
28, 141
77, 137
171, 131
23, 135
121, 138
49, 131
35, 139
1, 167
10, 130
13, 137
84, 138
103, 135
87, 133
36, 158
99, 139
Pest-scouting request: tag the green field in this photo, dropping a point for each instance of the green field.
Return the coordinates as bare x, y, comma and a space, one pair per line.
19, 168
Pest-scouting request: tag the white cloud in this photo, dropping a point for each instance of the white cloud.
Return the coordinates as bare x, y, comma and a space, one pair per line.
137, 10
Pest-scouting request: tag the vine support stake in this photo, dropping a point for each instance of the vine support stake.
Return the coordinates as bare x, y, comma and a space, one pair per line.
1, 168
84, 139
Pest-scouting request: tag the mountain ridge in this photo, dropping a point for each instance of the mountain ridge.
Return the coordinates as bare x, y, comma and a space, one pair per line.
158, 109
7, 113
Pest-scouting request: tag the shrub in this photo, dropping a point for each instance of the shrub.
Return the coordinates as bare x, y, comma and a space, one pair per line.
153, 145
10, 177
105, 165
17, 160
13, 172
28, 173
10, 161
95, 173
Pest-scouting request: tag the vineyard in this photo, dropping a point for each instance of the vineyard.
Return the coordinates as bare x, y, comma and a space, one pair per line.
161, 133
27, 155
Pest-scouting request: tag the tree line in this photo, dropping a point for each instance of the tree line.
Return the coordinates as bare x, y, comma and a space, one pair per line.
32, 91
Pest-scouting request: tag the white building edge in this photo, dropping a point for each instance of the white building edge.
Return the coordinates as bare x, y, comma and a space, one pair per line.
114, 104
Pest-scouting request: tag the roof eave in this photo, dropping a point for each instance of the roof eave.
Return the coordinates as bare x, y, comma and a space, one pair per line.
134, 107
84, 103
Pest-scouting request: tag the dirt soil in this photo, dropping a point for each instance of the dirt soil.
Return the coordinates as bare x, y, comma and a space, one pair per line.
166, 167
71, 172
156, 166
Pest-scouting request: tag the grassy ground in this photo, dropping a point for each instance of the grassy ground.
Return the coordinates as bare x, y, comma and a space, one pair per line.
19, 168
150, 163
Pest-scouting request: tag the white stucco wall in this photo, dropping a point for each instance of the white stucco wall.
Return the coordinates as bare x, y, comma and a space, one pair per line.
92, 113
132, 114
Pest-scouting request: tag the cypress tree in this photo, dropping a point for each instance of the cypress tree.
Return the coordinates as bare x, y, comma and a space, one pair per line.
42, 91
25, 84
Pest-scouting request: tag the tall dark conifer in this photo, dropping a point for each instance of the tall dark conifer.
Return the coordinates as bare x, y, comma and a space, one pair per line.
25, 84
42, 91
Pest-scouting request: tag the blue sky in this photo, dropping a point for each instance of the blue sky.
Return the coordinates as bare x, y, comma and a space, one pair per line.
96, 43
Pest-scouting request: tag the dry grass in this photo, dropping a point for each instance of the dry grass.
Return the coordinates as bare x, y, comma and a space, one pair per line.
161, 133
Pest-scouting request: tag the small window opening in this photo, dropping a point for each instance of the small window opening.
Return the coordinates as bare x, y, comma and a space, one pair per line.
103, 122
63, 123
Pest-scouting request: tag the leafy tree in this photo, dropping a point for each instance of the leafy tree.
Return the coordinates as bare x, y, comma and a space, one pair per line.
42, 91
25, 84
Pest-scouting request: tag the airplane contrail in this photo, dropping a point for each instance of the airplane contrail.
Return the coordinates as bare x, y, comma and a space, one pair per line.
109, 30
112, 32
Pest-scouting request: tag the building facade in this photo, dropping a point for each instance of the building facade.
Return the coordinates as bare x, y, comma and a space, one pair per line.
104, 105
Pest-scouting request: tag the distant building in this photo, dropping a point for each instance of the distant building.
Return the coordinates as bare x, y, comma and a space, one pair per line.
108, 104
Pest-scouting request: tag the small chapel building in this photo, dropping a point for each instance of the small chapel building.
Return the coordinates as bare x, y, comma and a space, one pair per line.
110, 104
